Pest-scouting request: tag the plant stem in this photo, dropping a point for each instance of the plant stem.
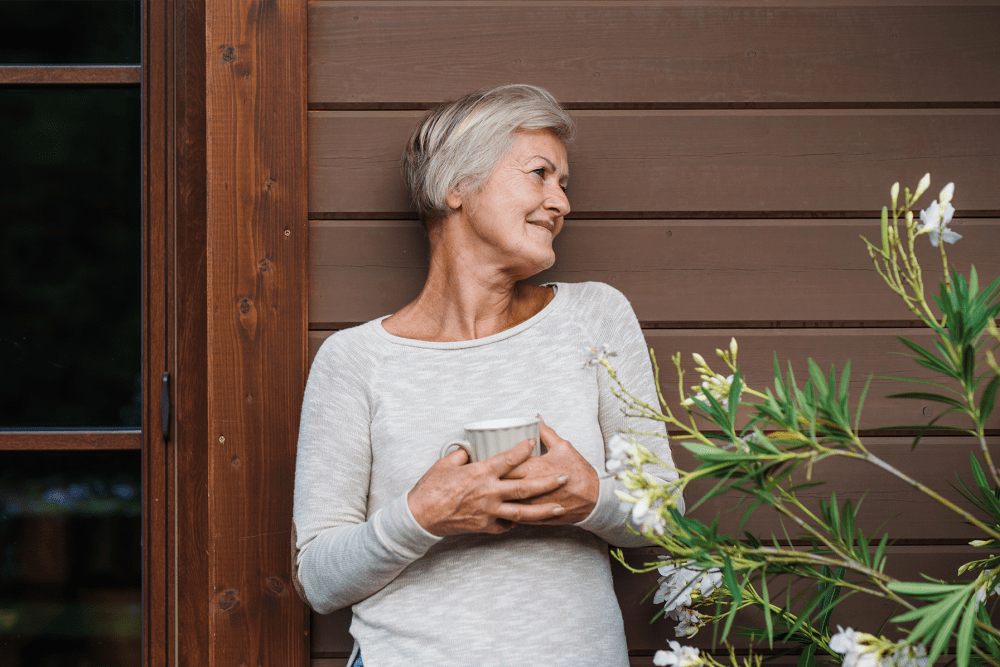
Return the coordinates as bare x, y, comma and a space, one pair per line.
871, 458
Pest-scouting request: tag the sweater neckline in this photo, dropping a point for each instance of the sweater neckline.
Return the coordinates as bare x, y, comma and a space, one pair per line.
551, 306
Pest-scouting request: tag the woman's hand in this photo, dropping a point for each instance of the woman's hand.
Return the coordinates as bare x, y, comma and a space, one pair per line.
453, 497
578, 495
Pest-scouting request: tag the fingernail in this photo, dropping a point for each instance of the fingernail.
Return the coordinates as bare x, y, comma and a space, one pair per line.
563, 479
559, 510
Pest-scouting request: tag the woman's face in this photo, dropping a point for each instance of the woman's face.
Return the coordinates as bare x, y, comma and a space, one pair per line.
515, 215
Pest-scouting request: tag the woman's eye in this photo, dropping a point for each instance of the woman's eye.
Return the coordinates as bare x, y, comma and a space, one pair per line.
540, 171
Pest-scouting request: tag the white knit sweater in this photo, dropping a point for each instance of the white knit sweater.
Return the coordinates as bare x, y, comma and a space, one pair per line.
377, 409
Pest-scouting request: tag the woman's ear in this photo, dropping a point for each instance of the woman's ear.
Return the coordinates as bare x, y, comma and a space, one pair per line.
454, 198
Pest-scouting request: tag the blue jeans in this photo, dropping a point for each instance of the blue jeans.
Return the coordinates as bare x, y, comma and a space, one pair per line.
357, 662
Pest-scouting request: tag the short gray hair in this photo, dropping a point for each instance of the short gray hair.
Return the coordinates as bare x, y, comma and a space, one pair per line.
461, 142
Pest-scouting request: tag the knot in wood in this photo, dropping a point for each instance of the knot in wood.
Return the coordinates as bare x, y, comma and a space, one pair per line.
270, 184
228, 601
265, 265
228, 54
276, 585
245, 306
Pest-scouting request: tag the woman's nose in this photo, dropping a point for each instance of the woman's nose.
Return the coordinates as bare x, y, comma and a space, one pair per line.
558, 201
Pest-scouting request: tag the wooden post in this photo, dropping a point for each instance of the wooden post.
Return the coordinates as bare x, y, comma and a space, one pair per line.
256, 269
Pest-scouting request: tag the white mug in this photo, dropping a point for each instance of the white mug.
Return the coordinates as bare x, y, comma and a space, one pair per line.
489, 438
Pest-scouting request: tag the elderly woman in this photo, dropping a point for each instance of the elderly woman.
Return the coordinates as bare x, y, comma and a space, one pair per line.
502, 561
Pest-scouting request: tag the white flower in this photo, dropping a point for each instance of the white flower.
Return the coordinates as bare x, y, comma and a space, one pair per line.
909, 656
679, 581
711, 581
717, 386
596, 355
946, 193
678, 656
934, 220
858, 649
983, 587
689, 622
843, 641
620, 450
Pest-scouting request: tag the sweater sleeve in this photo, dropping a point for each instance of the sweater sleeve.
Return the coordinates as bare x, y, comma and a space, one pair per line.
342, 555
611, 320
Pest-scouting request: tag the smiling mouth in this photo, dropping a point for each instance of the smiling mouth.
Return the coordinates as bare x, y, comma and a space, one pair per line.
545, 224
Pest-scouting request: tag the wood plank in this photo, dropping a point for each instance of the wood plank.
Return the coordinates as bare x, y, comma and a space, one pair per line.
742, 162
331, 643
256, 277
113, 75
870, 351
69, 440
374, 53
190, 633
673, 271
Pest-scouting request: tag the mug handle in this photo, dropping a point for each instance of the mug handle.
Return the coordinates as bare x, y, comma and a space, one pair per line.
461, 444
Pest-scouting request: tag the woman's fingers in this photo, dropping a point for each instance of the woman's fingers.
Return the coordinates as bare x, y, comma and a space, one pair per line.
519, 513
548, 436
504, 462
522, 489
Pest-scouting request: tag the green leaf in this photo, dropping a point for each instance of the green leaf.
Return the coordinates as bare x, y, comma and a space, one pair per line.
928, 396
945, 631
988, 400
965, 632
729, 577
920, 589
734, 397
819, 382
768, 623
969, 364
861, 402
808, 657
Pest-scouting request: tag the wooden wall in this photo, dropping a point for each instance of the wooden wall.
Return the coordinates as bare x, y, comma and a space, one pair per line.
729, 155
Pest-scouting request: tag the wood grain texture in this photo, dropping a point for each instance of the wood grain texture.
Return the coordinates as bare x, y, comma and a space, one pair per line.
113, 75
373, 53
158, 182
190, 427
673, 271
870, 351
256, 277
332, 643
69, 440
747, 162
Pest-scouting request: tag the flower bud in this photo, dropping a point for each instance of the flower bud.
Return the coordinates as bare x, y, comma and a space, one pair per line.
732, 348
922, 186
894, 191
909, 218
946, 194
979, 543
698, 359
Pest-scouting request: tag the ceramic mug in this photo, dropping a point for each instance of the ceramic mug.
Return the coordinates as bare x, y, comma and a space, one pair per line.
489, 438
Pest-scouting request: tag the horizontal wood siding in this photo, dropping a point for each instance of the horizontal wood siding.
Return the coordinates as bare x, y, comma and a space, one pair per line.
675, 272
737, 162
591, 53
730, 153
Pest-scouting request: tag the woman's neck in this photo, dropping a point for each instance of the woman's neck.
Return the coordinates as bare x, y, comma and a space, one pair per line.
466, 298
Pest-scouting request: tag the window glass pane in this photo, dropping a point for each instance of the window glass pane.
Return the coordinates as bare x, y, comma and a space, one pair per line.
70, 559
70, 258
67, 32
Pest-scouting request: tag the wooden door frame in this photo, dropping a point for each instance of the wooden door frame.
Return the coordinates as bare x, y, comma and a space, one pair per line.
225, 237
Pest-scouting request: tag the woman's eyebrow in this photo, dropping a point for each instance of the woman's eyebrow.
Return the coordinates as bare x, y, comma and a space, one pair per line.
564, 180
